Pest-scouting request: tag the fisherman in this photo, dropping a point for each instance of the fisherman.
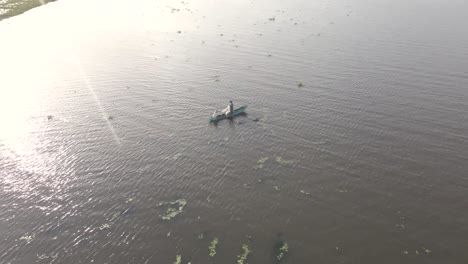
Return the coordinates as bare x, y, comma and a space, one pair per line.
231, 108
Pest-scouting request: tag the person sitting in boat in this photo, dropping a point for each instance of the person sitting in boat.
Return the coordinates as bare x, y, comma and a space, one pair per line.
231, 107
229, 110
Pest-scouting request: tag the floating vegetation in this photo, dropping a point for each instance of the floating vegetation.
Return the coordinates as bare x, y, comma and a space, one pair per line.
213, 246
104, 226
426, 250
282, 251
300, 85
178, 259
260, 163
418, 252
28, 239
242, 258
174, 208
282, 161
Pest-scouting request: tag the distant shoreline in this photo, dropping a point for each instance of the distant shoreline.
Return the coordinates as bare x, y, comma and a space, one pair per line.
11, 8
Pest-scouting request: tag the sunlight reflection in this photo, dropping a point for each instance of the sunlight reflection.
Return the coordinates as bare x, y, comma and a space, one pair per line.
98, 103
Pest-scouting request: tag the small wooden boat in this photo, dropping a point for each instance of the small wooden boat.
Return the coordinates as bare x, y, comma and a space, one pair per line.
220, 116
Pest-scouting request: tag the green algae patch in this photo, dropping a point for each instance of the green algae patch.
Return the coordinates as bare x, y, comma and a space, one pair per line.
260, 163
178, 259
241, 259
282, 251
174, 208
213, 246
282, 161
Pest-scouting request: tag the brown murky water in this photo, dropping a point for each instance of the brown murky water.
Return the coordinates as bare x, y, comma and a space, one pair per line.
104, 115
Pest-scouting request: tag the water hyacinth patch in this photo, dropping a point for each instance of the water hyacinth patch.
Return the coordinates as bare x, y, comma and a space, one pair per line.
213, 246
241, 259
282, 161
260, 163
282, 251
174, 208
178, 259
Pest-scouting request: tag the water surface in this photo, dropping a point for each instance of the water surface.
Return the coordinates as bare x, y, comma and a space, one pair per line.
104, 112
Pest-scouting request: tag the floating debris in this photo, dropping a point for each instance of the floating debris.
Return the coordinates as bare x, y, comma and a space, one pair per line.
213, 246
179, 31
27, 238
342, 190
400, 225
260, 163
304, 192
282, 251
110, 118
272, 18
50, 117
104, 226
300, 85
178, 259
276, 188
242, 258
426, 250
406, 252
169, 234
282, 161
201, 236
417, 252
174, 208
